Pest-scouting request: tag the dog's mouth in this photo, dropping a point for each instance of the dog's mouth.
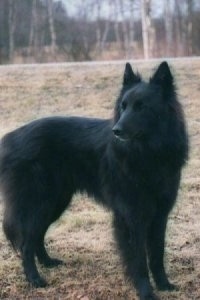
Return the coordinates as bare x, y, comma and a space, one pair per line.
122, 138
125, 138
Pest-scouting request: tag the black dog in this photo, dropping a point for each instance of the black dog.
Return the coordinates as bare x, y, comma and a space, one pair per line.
132, 164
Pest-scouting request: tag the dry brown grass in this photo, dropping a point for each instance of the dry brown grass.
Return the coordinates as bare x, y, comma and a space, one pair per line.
83, 236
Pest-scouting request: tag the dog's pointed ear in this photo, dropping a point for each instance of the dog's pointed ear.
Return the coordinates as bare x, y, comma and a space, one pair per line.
129, 76
162, 75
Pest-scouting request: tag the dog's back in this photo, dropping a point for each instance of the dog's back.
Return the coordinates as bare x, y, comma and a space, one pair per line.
71, 143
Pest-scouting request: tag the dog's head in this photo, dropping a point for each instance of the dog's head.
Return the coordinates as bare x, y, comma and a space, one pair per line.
142, 107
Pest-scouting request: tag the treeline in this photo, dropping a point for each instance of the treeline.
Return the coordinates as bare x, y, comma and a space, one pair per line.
52, 30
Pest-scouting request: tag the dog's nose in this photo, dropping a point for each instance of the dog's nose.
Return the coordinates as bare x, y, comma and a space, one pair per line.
117, 130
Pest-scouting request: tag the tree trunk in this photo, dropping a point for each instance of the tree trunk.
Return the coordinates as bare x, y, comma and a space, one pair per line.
33, 26
11, 26
131, 29
107, 27
116, 24
168, 28
98, 29
145, 33
190, 4
179, 30
51, 26
34, 36
124, 29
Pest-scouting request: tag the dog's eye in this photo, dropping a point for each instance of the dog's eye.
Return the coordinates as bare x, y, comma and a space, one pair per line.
123, 105
138, 106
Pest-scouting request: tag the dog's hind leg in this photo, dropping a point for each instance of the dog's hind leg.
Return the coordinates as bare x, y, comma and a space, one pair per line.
28, 262
54, 212
43, 256
21, 234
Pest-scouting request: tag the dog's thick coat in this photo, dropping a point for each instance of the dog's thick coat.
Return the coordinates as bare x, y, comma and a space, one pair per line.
131, 163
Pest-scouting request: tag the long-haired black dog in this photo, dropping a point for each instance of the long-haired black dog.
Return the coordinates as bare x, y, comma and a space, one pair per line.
131, 163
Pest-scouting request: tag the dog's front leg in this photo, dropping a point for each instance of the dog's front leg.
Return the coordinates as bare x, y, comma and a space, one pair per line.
131, 238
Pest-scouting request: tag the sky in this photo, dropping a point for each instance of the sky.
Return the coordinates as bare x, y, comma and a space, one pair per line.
157, 7
71, 6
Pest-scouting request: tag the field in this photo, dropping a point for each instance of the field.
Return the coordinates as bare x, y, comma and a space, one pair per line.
83, 235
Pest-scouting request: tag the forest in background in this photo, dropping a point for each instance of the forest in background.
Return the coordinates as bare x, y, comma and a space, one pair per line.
63, 30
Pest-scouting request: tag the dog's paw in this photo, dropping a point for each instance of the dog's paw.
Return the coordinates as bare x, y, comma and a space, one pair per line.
167, 286
38, 282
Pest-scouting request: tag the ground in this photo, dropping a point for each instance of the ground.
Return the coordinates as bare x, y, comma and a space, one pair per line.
83, 236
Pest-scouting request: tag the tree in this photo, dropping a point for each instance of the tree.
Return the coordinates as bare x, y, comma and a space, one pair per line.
33, 25
51, 26
116, 23
124, 28
11, 26
179, 29
168, 28
148, 32
98, 28
131, 27
190, 8
38, 29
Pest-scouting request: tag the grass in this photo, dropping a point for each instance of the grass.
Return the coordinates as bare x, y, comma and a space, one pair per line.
83, 235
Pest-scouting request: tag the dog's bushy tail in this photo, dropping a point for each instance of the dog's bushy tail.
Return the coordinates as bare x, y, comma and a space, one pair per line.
10, 222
